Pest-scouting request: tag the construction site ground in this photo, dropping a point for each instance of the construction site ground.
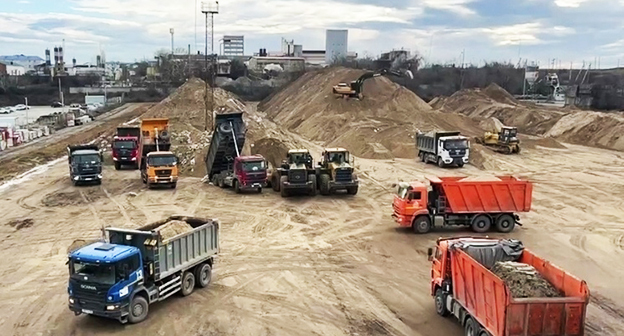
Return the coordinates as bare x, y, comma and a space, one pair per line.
320, 265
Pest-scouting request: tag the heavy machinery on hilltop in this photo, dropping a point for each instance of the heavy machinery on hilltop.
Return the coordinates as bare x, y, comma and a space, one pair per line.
296, 173
443, 148
354, 89
126, 146
335, 172
503, 139
465, 285
224, 163
122, 276
85, 164
158, 165
459, 201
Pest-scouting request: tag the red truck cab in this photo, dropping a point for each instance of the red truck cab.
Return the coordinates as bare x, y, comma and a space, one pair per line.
243, 174
126, 147
463, 286
480, 203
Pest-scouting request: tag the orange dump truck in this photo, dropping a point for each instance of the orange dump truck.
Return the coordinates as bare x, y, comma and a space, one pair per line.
465, 288
158, 165
481, 203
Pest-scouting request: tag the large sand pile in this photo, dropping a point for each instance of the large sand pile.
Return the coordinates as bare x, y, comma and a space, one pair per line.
588, 128
380, 126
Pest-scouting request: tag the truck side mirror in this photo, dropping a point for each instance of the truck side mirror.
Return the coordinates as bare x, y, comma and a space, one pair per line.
430, 254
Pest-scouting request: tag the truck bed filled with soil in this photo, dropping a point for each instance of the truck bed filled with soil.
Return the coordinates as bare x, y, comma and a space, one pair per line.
524, 281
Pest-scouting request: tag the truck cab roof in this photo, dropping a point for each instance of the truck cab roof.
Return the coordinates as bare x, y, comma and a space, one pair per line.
160, 154
298, 151
103, 252
337, 149
455, 137
85, 152
250, 158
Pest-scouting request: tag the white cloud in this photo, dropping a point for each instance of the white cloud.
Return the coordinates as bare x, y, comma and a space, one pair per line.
455, 6
569, 3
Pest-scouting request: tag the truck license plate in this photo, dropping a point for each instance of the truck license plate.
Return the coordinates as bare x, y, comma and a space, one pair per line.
86, 311
88, 179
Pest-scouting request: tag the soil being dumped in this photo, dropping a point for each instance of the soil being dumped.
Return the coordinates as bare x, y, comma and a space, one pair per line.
524, 281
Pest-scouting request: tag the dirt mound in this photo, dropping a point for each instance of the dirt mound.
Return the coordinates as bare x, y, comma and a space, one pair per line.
524, 280
481, 178
499, 94
591, 128
272, 149
382, 125
79, 243
173, 228
541, 142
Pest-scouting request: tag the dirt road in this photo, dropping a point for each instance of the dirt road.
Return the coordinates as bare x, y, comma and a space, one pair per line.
301, 266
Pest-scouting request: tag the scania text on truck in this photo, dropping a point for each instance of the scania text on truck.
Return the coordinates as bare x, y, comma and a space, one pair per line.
85, 164
126, 147
443, 148
122, 277
464, 286
225, 165
158, 165
451, 201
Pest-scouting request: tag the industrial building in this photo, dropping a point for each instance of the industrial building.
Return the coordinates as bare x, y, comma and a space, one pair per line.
28, 63
233, 45
288, 64
336, 44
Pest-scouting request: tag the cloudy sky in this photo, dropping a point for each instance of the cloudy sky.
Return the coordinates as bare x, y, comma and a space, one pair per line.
440, 30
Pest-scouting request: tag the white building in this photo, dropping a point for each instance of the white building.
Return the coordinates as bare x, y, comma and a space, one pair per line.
336, 44
15, 70
233, 45
27, 62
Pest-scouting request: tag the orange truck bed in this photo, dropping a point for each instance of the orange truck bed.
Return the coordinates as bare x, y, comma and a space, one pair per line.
508, 194
486, 297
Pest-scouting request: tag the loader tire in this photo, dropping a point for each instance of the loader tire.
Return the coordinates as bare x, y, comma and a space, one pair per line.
312, 178
324, 187
283, 190
275, 183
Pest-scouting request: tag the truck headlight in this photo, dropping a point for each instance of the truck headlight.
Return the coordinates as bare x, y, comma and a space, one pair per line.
99, 176
110, 307
76, 178
133, 159
71, 300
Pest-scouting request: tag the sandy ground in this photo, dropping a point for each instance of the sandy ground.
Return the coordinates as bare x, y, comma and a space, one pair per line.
300, 266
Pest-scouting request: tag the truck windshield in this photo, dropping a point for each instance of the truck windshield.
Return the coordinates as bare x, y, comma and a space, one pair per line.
84, 159
456, 144
158, 161
102, 274
338, 157
124, 145
253, 166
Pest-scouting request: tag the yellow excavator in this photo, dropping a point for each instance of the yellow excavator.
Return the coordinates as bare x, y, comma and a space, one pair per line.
501, 138
354, 89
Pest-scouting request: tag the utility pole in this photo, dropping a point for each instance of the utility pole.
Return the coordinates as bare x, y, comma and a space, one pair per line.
171, 32
212, 8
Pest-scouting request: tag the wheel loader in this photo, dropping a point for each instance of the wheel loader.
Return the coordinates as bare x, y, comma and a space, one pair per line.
503, 140
296, 174
335, 172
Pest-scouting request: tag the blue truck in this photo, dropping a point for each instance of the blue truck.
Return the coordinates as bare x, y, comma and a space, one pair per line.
120, 277
85, 164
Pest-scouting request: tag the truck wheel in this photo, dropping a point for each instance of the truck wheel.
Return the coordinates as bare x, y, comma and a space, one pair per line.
220, 182
440, 163
275, 184
324, 184
174, 185
117, 165
312, 178
236, 187
481, 224
421, 225
188, 283
470, 329
203, 274
440, 303
259, 190
352, 190
505, 223
98, 182
283, 190
460, 165
138, 309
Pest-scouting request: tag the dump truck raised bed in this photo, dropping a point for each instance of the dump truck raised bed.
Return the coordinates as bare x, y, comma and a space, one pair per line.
126, 146
85, 164
224, 163
476, 202
158, 165
443, 148
121, 277
464, 286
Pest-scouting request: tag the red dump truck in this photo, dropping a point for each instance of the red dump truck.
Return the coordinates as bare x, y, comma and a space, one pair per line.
126, 146
476, 202
464, 286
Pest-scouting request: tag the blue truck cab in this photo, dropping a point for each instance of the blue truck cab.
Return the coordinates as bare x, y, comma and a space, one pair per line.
121, 277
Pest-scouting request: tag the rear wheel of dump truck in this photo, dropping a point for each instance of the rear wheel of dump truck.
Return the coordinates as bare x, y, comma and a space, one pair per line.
421, 225
138, 309
117, 165
440, 303
471, 328
283, 190
312, 179
505, 223
188, 283
324, 187
481, 224
203, 275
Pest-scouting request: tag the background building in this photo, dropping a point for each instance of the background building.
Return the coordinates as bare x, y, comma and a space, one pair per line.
233, 45
27, 62
336, 44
